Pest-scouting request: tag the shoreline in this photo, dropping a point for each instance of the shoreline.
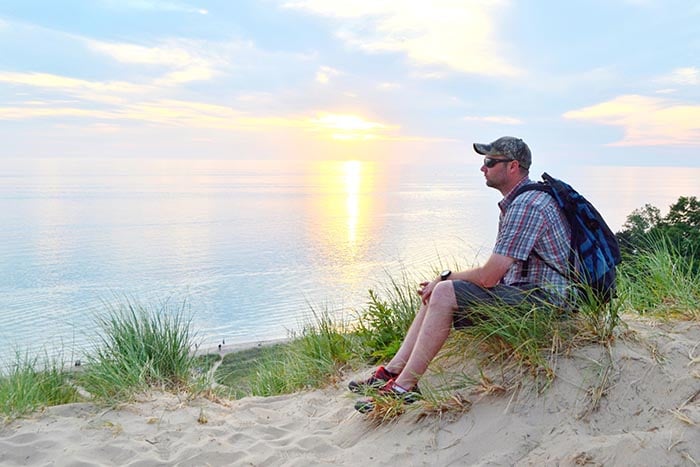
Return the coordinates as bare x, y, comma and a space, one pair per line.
233, 348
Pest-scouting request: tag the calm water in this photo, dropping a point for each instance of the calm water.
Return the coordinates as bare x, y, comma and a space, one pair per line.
251, 246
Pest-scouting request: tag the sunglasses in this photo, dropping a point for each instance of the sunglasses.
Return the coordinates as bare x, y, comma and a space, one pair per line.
490, 162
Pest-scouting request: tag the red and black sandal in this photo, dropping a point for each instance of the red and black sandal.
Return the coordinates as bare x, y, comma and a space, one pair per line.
390, 389
378, 379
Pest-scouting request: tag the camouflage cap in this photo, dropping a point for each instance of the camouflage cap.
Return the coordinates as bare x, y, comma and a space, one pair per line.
508, 146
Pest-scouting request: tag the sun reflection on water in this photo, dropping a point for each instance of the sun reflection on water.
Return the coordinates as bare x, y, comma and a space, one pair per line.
352, 173
344, 214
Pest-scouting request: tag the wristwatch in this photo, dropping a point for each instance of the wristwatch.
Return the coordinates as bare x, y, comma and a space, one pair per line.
445, 274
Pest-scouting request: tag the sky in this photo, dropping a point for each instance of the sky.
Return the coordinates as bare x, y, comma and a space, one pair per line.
609, 82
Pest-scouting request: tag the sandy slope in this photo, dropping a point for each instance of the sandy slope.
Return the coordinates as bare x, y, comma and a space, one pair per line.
649, 414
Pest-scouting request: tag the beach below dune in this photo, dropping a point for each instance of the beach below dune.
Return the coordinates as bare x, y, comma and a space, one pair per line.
637, 403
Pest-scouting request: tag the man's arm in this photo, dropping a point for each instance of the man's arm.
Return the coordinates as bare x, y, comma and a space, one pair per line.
489, 274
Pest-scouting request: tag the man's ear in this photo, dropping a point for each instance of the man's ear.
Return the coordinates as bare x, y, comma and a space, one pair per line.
515, 169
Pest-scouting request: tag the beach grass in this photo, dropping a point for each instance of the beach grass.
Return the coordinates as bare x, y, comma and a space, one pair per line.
515, 332
518, 341
237, 369
139, 347
659, 280
143, 347
29, 384
314, 357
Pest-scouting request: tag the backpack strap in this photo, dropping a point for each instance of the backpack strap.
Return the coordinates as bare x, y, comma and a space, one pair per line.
544, 187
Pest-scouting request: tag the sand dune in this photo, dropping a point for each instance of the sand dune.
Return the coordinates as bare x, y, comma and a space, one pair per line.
648, 413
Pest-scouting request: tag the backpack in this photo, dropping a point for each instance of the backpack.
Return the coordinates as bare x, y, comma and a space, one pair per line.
591, 240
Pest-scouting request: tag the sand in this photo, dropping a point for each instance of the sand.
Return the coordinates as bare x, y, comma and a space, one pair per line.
647, 413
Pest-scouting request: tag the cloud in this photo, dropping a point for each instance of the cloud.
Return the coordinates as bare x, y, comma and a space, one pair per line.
111, 92
388, 86
155, 5
324, 74
458, 35
131, 53
496, 119
646, 121
189, 114
688, 76
187, 59
22, 113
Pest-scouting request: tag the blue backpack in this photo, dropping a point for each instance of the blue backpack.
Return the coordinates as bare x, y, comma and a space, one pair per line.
591, 239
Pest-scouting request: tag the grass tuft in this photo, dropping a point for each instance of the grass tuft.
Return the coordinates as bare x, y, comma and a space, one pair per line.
658, 280
28, 385
526, 336
314, 357
137, 348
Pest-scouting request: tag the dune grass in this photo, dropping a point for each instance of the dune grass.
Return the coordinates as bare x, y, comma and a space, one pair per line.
28, 384
519, 341
314, 357
139, 347
661, 281
317, 355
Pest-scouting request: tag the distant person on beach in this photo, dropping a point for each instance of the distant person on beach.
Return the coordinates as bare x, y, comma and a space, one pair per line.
532, 246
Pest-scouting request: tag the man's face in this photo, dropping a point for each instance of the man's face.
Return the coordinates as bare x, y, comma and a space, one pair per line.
495, 169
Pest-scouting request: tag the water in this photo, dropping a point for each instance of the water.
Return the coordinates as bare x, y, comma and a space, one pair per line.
251, 246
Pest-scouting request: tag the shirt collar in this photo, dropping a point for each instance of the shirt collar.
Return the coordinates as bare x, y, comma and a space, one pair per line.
510, 196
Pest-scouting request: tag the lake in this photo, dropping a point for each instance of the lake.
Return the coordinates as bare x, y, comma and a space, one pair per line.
251, 246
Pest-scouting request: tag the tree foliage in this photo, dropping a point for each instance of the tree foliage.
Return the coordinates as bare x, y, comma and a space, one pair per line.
681, 227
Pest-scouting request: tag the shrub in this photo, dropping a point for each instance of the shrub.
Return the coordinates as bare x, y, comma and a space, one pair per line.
382, 326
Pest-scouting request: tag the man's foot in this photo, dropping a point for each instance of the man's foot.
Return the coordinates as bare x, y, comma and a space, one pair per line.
380, 377
390, 389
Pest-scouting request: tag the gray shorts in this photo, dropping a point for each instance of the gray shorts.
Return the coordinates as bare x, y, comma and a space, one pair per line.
470, 295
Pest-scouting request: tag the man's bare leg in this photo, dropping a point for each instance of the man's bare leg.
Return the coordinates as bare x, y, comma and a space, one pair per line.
397, 363
434, 328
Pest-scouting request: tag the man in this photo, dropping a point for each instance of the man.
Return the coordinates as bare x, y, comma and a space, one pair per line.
531, 248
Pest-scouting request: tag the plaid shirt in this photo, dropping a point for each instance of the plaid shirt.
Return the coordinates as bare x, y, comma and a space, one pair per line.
533, 221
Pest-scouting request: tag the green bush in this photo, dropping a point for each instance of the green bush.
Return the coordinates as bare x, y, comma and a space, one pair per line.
382, 326
680, 228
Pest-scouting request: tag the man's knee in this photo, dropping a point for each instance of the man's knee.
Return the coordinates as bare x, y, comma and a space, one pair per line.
443, 296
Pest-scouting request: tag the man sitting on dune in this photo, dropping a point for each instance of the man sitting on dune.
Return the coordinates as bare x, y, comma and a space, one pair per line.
532, 246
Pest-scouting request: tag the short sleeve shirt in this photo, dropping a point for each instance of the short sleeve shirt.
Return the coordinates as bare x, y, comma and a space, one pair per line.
534, 222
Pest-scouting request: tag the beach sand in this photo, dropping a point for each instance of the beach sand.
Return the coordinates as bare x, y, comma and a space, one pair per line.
648, 414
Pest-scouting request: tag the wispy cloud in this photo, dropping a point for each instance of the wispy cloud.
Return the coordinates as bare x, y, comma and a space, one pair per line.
187, 60
24, 113
155, 5
188, 114
324, 74
503, 120
688, 76
388, 86
646, 121
460, 36
110, 92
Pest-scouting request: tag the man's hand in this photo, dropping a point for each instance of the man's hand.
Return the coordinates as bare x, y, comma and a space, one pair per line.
427, 289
